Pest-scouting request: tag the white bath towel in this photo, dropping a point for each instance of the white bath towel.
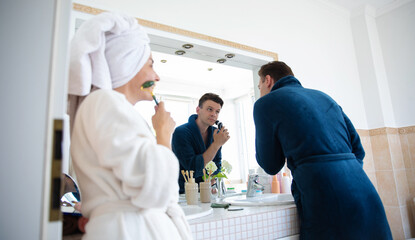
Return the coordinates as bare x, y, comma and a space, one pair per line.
107, 51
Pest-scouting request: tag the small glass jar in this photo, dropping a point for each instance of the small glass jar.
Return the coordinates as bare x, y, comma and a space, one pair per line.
205, 192
191, 190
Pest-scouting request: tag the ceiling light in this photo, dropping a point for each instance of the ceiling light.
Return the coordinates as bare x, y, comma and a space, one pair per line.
180, 52
163, 60
187, 46
210, 69
230, 55
222, 60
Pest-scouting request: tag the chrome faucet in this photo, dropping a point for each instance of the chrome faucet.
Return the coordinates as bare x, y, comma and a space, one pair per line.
253, 185
221, 187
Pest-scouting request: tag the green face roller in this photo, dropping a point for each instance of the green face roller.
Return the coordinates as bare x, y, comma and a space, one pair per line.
145, 87
147, 84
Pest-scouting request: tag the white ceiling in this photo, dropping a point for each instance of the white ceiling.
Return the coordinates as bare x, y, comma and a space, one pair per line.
182, 69
352, 4
187, 73
189, 77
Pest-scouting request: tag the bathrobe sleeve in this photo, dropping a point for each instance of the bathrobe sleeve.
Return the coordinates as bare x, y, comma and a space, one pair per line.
123, 143
269, 153
357, 147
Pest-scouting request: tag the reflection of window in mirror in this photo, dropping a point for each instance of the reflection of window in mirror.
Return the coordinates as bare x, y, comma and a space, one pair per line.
181, 92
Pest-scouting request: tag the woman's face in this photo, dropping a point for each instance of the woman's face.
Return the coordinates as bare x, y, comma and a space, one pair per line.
146, 73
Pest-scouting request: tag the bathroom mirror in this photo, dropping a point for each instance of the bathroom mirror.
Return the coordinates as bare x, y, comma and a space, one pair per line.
70, 195
201, 59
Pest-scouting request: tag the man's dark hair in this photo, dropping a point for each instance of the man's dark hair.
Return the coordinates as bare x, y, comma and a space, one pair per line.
210, 96
275, 70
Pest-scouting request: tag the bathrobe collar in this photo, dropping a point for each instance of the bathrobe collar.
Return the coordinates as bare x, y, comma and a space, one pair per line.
195, 129
286, 81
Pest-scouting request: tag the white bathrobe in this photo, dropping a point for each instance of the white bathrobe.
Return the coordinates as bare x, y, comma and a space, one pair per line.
128, 182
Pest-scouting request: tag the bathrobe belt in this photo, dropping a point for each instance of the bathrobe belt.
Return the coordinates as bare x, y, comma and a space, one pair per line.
172, 211
115, 206
324, 158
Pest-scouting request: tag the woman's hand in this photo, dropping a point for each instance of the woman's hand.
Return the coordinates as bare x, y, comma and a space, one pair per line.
163, 124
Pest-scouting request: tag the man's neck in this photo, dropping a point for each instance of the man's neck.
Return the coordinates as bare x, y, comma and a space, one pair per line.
202, 127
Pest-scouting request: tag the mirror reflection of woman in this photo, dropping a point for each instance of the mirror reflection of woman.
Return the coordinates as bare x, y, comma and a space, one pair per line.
127, 177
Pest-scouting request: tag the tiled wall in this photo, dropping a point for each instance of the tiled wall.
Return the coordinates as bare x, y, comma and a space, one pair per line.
390, 164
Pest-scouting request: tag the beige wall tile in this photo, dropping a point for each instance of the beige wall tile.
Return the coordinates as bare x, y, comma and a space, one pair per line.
372, 177
387, 188
411, 216
407, 221
368, 164
381, 153
410, 175
405, 151
395, 222
396, 151
365, 140
411, 146
402, 186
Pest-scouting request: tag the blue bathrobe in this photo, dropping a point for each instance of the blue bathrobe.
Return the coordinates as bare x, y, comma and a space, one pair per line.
188, 145
335, 199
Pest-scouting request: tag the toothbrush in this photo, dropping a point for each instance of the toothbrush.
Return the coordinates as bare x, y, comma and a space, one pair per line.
204, 175
184, 176
187, 174
145, 86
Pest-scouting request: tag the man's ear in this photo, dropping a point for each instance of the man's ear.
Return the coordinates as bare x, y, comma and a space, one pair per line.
269, 81
197, 109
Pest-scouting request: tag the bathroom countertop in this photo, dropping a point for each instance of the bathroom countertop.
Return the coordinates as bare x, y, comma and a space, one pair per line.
221, 213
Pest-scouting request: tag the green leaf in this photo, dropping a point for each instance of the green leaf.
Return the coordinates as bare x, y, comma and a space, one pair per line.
221, 175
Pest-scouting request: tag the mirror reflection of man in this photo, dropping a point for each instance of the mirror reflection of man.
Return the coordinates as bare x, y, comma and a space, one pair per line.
197, 142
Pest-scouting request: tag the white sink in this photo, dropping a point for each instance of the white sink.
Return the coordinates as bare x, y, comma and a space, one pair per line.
196, 211
266, 199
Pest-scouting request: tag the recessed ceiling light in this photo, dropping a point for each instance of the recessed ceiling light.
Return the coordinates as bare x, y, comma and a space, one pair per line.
163, 60
230, 55
187, 46
210, 69
180, 52
222, 60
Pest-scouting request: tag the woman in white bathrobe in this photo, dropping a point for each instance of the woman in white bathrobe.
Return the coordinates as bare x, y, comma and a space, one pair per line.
127, 176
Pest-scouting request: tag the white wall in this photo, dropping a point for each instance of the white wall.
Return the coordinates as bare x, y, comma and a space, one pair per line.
377, 100
315, 39
33, 84
26, 39
397, 37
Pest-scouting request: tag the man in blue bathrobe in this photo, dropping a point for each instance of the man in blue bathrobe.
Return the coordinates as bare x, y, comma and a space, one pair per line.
197, 142
335, 199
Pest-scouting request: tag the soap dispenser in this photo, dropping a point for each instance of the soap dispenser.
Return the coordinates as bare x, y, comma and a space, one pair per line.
285, 183
275, 185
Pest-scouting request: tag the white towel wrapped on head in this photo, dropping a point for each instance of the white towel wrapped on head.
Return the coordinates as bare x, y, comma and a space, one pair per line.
107, 51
